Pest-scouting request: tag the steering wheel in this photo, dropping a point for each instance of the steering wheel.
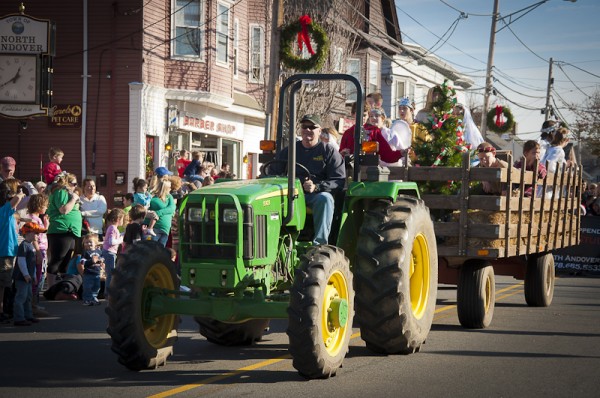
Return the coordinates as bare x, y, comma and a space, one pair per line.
301, 172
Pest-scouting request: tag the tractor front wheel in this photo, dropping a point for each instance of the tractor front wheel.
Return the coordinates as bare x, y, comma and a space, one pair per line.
139, 341
320, 312
395, 276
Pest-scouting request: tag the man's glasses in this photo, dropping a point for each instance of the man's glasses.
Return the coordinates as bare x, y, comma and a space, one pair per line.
487, 149
311, 127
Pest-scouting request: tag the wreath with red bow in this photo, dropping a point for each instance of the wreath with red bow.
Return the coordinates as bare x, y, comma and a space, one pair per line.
500, 119
302, 30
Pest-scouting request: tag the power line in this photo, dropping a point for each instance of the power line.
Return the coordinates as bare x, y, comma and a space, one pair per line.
583, 70
572, 82
525, 45
463, 12
515, 91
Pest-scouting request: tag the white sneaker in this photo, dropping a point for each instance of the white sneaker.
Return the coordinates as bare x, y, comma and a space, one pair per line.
150, 231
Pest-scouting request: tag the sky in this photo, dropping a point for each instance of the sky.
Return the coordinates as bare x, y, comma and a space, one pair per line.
568, 32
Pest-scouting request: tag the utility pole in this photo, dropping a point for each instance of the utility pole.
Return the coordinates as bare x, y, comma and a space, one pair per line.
274, 69
548, 109
488, 75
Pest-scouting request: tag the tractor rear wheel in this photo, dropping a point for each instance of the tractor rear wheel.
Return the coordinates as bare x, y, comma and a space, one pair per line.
539, 280
320, 312
139, 341
395, 276
476, 294
232, 334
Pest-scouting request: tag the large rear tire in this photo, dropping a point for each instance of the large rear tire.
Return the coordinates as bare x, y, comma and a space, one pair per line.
539, 280
395, 276
140, 342
476, 294
232, 334
320, 312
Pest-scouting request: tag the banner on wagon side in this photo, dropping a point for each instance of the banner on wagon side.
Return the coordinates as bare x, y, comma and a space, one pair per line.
586, 255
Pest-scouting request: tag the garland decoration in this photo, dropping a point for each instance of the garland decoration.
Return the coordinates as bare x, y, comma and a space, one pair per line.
300, 30
500, 119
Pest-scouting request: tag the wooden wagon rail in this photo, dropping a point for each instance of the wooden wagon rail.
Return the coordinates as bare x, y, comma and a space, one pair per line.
517, 225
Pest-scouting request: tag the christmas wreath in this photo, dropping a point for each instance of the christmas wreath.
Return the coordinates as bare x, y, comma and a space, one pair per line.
500, 120
301, 30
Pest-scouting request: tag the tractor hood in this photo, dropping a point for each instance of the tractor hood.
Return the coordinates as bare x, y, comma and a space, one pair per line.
247, 191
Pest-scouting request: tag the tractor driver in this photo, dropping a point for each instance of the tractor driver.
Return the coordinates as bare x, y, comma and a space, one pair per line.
327, 174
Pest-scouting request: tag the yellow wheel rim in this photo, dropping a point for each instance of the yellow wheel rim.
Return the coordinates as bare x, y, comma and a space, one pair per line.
334, 319
419, 276
157, 330
488, 294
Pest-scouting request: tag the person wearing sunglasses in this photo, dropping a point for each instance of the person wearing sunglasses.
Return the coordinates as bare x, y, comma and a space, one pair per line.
327, 174
65, 223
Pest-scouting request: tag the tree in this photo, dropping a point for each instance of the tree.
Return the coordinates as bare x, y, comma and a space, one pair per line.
339, 19
443, 145
587, 122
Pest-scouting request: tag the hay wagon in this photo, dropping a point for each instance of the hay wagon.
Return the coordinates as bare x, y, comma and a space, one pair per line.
479, 236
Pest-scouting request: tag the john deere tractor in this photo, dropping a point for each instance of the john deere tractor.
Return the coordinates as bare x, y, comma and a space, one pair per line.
246, 256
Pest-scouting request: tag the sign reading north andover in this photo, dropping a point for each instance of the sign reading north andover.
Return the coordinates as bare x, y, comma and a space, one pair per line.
586, 255
24, 35
65, 116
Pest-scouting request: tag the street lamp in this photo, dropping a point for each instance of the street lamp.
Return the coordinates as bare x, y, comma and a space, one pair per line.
488, 75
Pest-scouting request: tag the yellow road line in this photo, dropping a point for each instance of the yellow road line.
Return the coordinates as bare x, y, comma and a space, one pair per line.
268, 362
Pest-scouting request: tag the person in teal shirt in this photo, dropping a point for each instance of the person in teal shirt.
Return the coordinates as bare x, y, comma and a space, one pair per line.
163, 205
10, 197
65, 224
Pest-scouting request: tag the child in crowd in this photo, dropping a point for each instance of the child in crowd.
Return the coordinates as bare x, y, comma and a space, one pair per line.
52, 168
10, 197
112, 241
143, 197
93, 263
182, 162
24, 276
134, 232
127, 204
193, 171
36, 207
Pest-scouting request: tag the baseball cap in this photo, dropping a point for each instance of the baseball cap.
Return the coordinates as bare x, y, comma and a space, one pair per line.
162, 171
31, 227
314, 119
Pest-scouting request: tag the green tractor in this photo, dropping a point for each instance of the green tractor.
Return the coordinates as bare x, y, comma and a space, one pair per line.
247, 256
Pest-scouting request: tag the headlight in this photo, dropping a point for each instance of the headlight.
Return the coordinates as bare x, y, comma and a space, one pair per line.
195, 214
230, 215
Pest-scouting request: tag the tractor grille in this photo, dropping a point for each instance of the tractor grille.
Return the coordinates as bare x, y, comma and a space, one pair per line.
210, 238
261, 236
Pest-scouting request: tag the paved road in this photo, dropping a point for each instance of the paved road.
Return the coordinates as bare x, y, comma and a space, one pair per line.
550, 352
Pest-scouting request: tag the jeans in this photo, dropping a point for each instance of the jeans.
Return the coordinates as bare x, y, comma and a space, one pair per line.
161, 237
91, 287
110, 259
322, 206
22, 306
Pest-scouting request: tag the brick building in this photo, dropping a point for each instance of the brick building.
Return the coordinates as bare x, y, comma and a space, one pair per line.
136, 80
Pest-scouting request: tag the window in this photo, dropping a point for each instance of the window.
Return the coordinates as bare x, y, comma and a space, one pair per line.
257, 51
373, 76
236, 45
188, 31
222, 33
354, 70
